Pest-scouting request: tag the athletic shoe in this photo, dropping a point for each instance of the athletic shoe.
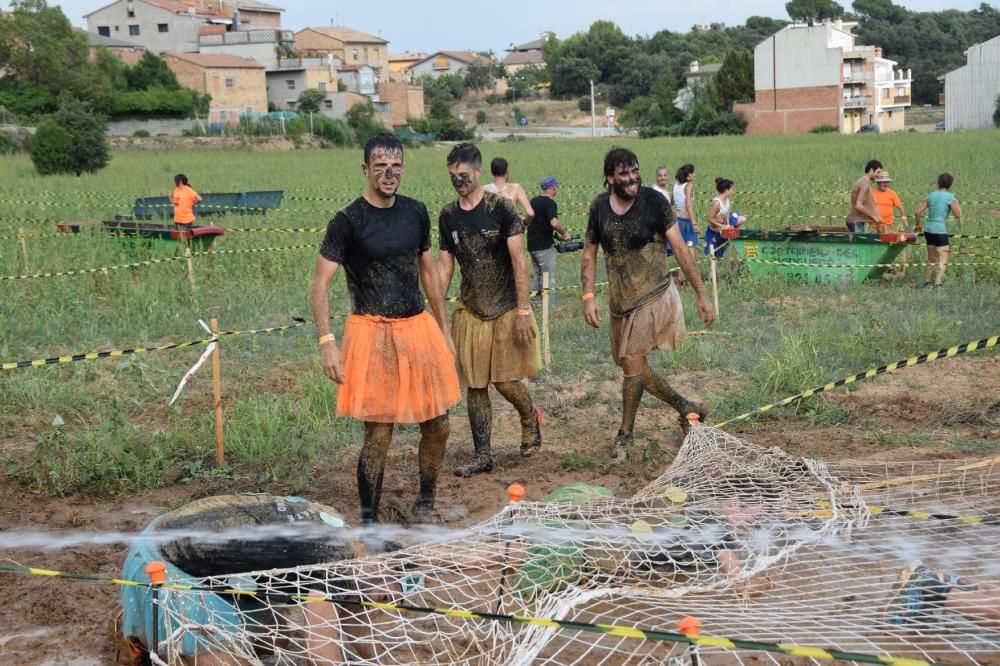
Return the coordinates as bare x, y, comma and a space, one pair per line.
621, 446
920, 592
481, 463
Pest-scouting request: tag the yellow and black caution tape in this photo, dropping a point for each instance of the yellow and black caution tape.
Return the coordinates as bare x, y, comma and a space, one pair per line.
149, 262
985, 343
91, 356
903, 265
912, 513
697, 640
272, 230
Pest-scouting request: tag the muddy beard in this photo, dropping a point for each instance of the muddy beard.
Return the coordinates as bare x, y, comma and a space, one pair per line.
620, 189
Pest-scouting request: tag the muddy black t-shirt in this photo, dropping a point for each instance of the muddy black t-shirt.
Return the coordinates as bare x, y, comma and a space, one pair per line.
477, 239
540, 228
378, 248
637, 264
258, 532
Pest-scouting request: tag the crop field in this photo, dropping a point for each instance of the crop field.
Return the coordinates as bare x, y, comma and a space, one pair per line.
92, 445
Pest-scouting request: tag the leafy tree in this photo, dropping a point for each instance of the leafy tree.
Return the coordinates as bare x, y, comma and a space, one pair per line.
70, 141
150, 72
449, 87
734, 81
440, 121
571, 77
309, 100
813, 10
482, 75
481, 117
361, 119
637, 79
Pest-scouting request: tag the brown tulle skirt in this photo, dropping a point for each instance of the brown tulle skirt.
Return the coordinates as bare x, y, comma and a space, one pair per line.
486, 351
657, 325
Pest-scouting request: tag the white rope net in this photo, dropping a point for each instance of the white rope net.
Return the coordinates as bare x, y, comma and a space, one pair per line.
757, 544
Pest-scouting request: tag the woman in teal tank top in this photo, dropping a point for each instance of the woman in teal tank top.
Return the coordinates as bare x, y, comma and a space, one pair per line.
938, 205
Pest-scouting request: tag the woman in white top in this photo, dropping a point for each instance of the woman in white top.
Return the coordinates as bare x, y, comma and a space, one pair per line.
684, 208
720, 218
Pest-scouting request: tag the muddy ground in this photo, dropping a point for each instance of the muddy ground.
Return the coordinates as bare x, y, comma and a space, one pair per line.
949, 409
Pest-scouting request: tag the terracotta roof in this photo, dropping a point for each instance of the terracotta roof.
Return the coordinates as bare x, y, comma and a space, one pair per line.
407, 55
352, 68
256, 6
468, 57
346, 34
176, 7
216, 60
534, 45
524, 58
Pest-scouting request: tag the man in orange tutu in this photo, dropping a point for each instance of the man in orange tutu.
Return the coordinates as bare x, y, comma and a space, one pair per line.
630, 223
396, 365
496, 339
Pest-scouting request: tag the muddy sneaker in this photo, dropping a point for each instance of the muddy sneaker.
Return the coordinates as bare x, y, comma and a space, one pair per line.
529, 449
621, 446
920, 592
423, 510
481, 463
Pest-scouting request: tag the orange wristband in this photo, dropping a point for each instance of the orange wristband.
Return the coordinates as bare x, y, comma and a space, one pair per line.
589, 296
323, 339
523, 312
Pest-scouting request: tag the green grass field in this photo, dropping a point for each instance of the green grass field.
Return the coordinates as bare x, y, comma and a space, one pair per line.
118, 435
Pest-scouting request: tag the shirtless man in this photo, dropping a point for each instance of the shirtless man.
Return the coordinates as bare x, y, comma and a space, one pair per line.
512, 191
396, 365
496, 339
630, 223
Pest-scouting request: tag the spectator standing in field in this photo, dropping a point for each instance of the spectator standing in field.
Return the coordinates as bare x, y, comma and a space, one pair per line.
395, 366
511, 191
863, 210
184, 199
683, 200
938, 205
496, 339
662, 181
631, 223
887, 202
540, 230
721, 218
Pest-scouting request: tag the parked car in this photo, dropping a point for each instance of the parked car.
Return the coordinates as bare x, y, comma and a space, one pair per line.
869, 129
939, 126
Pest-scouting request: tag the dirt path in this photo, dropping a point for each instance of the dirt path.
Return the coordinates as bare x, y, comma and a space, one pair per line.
945, 410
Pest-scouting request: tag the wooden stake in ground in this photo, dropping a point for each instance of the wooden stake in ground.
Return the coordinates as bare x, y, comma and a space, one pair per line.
715, 278
545, 321
24, 249
220, 445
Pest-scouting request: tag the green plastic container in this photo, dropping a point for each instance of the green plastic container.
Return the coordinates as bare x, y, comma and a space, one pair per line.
819, 256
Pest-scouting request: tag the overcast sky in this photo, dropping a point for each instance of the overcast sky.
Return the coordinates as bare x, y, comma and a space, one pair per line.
430, 25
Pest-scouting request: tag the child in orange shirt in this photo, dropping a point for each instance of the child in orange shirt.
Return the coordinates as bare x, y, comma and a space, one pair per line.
184, 199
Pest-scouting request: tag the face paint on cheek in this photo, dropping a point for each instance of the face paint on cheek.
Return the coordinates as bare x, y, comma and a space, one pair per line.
460, 181
389, 174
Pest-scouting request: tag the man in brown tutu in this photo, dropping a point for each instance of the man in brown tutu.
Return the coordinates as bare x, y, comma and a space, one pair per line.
496, 340
395, 365
631, 223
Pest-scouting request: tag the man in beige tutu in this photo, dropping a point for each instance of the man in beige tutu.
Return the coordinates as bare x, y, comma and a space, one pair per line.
496, 339
631, 223
395, 365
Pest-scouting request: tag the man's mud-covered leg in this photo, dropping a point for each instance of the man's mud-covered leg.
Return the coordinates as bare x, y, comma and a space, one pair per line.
481, 423
371, 468
632, 389
517, 394
433, 438
658, 386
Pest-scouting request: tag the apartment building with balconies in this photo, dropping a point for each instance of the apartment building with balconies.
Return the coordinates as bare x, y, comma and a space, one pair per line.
811, 75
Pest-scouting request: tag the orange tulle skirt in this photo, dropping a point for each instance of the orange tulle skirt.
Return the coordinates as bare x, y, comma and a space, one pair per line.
396, 370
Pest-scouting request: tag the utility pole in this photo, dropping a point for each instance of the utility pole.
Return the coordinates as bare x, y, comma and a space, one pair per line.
593, 118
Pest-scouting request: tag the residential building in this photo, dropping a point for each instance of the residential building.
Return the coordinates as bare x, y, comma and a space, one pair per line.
290, 76
264, 45
237, 85
400, 63
129, 53
404, 100
446, 62
971, 91
524, 55
175, 25
810, 75
697, 75
351, 47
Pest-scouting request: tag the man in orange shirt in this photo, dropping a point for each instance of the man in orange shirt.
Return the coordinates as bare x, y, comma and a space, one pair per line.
887, 201
184, 199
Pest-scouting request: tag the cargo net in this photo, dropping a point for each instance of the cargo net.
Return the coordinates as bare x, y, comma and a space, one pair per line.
757, 544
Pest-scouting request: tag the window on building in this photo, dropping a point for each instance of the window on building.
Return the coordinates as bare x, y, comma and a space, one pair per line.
223, 115
327, 103
366, 54
230, 82
290, 83
131, 12
355, 53
104, 30
249, 109
321, 86
116, 28
163, 27
441, 62
133, 31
